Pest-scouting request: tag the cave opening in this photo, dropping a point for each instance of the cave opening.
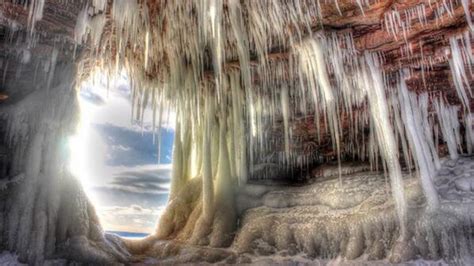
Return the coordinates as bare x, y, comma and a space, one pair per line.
122, 162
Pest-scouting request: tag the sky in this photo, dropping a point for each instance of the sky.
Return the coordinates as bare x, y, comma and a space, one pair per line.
117, 160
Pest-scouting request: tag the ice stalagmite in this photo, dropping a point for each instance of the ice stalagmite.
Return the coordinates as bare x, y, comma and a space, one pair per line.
225, 216
207, 178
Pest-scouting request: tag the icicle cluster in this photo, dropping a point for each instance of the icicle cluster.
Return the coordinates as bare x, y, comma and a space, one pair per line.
35, 14
400, 23
239, 97
461, 56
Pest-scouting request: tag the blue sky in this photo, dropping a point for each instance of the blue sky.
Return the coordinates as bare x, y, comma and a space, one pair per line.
117, 161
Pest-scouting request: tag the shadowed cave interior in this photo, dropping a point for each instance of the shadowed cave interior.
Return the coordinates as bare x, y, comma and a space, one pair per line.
305, 132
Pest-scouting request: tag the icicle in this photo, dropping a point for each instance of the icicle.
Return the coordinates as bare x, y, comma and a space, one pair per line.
314, 67
215, 13
96, 27
468, 122
81, 26
458, 71
359, 3
401, 130
52, 67
418, 144
337, 7
99, 5
448, 119
423, 102
240, 142
385, 136
35, 14
285, 106
238, 28
147, 44
467, 12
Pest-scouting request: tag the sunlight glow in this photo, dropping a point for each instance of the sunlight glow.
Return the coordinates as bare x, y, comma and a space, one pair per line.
105, 104
83, 163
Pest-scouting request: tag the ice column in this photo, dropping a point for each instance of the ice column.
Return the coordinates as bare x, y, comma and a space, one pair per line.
385, 135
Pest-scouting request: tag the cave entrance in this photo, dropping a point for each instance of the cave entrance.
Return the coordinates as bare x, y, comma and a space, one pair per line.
116, 157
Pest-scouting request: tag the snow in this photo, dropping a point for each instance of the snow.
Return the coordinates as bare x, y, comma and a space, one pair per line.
295, 220
354, 223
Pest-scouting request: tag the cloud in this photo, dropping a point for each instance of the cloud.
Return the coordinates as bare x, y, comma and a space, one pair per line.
133, 218
142, 180
132, 146
145, 185
131, 210
119, 196
137, 208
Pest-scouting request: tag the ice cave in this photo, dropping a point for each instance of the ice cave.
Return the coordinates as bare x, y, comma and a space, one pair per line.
306, 132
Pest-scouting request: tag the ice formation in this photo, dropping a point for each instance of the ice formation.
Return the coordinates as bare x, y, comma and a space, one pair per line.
457, 64
47, 200
449, 124
411, 115
261, 90
35, 14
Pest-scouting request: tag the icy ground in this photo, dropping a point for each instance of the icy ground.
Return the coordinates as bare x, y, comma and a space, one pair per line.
329, 223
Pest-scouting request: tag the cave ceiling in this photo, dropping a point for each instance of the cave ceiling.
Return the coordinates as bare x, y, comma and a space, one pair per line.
409, 35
